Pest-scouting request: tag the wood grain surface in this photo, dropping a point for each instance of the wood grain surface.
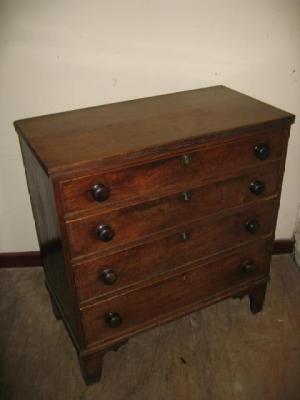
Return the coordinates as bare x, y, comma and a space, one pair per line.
206, 235
182, 293
137, 154
158, 178
139, 126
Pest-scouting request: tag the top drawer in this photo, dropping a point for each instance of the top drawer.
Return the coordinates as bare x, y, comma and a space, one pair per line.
114, 188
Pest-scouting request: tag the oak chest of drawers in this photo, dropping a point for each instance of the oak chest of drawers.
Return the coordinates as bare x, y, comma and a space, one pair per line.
150, 209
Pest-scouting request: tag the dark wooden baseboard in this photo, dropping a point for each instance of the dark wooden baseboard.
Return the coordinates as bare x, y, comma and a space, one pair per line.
33, 258
284, 246
20, 259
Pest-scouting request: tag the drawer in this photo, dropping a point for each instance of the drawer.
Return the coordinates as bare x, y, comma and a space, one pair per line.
163, 254
135, 222
152, 180
176, 296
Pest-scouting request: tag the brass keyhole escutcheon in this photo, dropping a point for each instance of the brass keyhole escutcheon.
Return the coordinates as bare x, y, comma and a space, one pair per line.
186, 159
184, 236
186, 196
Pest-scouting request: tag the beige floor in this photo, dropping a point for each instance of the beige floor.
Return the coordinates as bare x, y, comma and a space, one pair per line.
220, 353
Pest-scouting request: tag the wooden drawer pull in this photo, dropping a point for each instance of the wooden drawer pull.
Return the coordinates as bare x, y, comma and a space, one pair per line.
100, 192
104, 233
252, 226
108, 276
113, 319
262, 151
248, 267
257, 187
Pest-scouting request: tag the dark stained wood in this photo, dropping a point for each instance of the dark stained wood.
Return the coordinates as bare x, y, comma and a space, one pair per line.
157, 178
49, 237
136, 127
168, 299
123, 248
20, 259
206, 236
91, 366
167, 253
257, 298
136, 222
284, 246
84, 243
91, 363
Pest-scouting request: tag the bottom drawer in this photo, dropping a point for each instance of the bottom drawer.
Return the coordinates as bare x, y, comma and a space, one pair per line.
139, 309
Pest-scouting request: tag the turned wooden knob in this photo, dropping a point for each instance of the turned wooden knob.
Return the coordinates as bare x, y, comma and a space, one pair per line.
262, 151
257, 187
108, 276
104, 233
113, 319
100, 192
248, 267
252, 226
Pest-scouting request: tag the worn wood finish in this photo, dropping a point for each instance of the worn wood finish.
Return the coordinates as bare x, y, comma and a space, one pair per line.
166, 253
123, 248
154, 179
49, 237
208, 234
136, 222
175, 296
145, 127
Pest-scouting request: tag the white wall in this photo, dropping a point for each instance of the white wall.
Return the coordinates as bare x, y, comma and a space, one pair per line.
60, 55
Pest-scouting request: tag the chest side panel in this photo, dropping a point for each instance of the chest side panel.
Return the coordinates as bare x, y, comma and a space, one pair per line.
58, 279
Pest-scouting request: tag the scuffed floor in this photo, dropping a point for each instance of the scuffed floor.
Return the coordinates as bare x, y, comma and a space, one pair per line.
220, 353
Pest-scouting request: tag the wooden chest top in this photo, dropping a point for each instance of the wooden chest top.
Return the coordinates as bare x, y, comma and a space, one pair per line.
143, 128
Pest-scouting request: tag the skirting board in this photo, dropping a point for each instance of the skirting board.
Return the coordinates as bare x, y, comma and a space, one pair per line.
284, 246
33, 258
20, 259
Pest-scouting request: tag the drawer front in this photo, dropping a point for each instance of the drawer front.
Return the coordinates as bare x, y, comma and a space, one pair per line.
133, 223
170, 252
115, 188
175, 296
